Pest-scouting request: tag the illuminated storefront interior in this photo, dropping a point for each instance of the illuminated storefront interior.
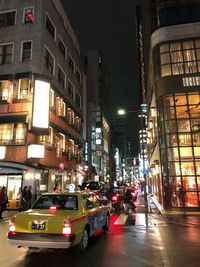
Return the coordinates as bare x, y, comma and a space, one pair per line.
179, 132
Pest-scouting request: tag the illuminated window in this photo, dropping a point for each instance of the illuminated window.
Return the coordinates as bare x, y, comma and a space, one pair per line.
70, 116
47, 140
49, 60
60, 107
70, 148
7, 18
6, 52
50, 27
6, 90
6, 133
26, 51
52, 99
20, 133
60, 144
23, 88
179, 58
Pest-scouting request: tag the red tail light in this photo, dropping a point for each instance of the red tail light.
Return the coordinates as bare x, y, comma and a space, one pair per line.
67, 229
52, 208
114, 198
11, 227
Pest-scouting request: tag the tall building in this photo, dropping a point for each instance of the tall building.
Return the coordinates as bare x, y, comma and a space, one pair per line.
99, 143
169, 49
42, 90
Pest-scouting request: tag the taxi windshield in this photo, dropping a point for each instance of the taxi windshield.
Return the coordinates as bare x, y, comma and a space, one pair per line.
62, 202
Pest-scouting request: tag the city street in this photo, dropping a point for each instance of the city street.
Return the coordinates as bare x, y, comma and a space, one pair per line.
142, 240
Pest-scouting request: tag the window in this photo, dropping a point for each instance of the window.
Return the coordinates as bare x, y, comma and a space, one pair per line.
60, 107
23, 88
50, 27
13, 133
7, 18
52, 98
61, 46
78, 100
78, 75
49, 60
26, 51
60, 144
6, 90
6, 52
70, 90
47, 140
70, 63
61, 77
28, 15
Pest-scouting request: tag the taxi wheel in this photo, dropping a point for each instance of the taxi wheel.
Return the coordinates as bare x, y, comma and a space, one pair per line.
84, 241
106, 226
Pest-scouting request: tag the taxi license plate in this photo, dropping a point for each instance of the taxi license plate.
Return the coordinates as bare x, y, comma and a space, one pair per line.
38, 226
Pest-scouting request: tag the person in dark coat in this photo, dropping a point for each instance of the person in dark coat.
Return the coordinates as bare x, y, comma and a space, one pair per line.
29, 197
3, 201
24, 199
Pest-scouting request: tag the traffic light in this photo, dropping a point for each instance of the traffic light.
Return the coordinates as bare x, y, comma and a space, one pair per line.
28, 16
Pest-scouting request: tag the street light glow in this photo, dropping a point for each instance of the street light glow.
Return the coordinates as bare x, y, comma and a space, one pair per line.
121, 112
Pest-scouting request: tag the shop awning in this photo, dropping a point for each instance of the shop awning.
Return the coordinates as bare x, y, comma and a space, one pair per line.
13, 118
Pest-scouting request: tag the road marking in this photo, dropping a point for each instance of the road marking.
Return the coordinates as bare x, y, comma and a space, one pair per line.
163, 252
121, 219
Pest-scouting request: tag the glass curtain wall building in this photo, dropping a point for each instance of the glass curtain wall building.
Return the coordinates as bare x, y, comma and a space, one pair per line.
173, 86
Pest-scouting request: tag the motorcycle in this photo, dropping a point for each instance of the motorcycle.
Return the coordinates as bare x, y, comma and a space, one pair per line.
116, 203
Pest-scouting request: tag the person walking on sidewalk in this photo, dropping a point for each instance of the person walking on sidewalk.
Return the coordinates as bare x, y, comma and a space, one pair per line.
24, 199
29, 197
3, 201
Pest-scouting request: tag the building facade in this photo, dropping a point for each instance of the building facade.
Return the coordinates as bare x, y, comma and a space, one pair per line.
173, 98
99, 143
41, 97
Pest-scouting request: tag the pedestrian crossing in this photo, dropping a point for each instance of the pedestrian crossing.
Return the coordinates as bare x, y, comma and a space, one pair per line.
138, 219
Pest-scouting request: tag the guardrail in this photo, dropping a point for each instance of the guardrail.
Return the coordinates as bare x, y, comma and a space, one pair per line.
153, 204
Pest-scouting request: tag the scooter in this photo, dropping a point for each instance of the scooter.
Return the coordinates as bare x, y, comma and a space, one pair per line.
116, 203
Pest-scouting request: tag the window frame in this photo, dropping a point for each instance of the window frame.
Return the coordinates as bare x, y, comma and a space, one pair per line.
46, 48
7, 44
47, 15
22, 50
25, 8
9, 11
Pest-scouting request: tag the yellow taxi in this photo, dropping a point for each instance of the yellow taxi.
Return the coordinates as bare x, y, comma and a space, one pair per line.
59, 221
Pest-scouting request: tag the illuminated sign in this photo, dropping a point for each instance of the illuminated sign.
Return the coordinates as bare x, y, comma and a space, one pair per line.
35, 151
41, 104
2, 152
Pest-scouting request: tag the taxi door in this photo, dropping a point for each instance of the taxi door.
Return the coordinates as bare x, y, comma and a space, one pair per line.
96, 215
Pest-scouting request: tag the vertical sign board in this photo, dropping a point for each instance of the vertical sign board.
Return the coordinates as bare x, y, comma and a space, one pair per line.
41, 104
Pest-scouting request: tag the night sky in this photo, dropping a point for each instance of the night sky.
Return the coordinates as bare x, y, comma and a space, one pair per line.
109, 25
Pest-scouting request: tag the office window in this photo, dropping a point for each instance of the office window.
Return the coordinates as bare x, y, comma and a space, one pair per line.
7, 18
61, 46
50, 27
61, 77
180, 58
6, 52
28, 15
70, 63
49, 60
13, 134
78, 75
78, 100
26, 51
47, 140
6, 90
70, 90
19, 133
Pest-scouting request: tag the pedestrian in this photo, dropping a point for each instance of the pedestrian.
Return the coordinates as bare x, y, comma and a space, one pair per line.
29, 197
3, 201
56, 188
24, 199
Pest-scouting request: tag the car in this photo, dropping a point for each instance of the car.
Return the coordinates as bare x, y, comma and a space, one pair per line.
59, 221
